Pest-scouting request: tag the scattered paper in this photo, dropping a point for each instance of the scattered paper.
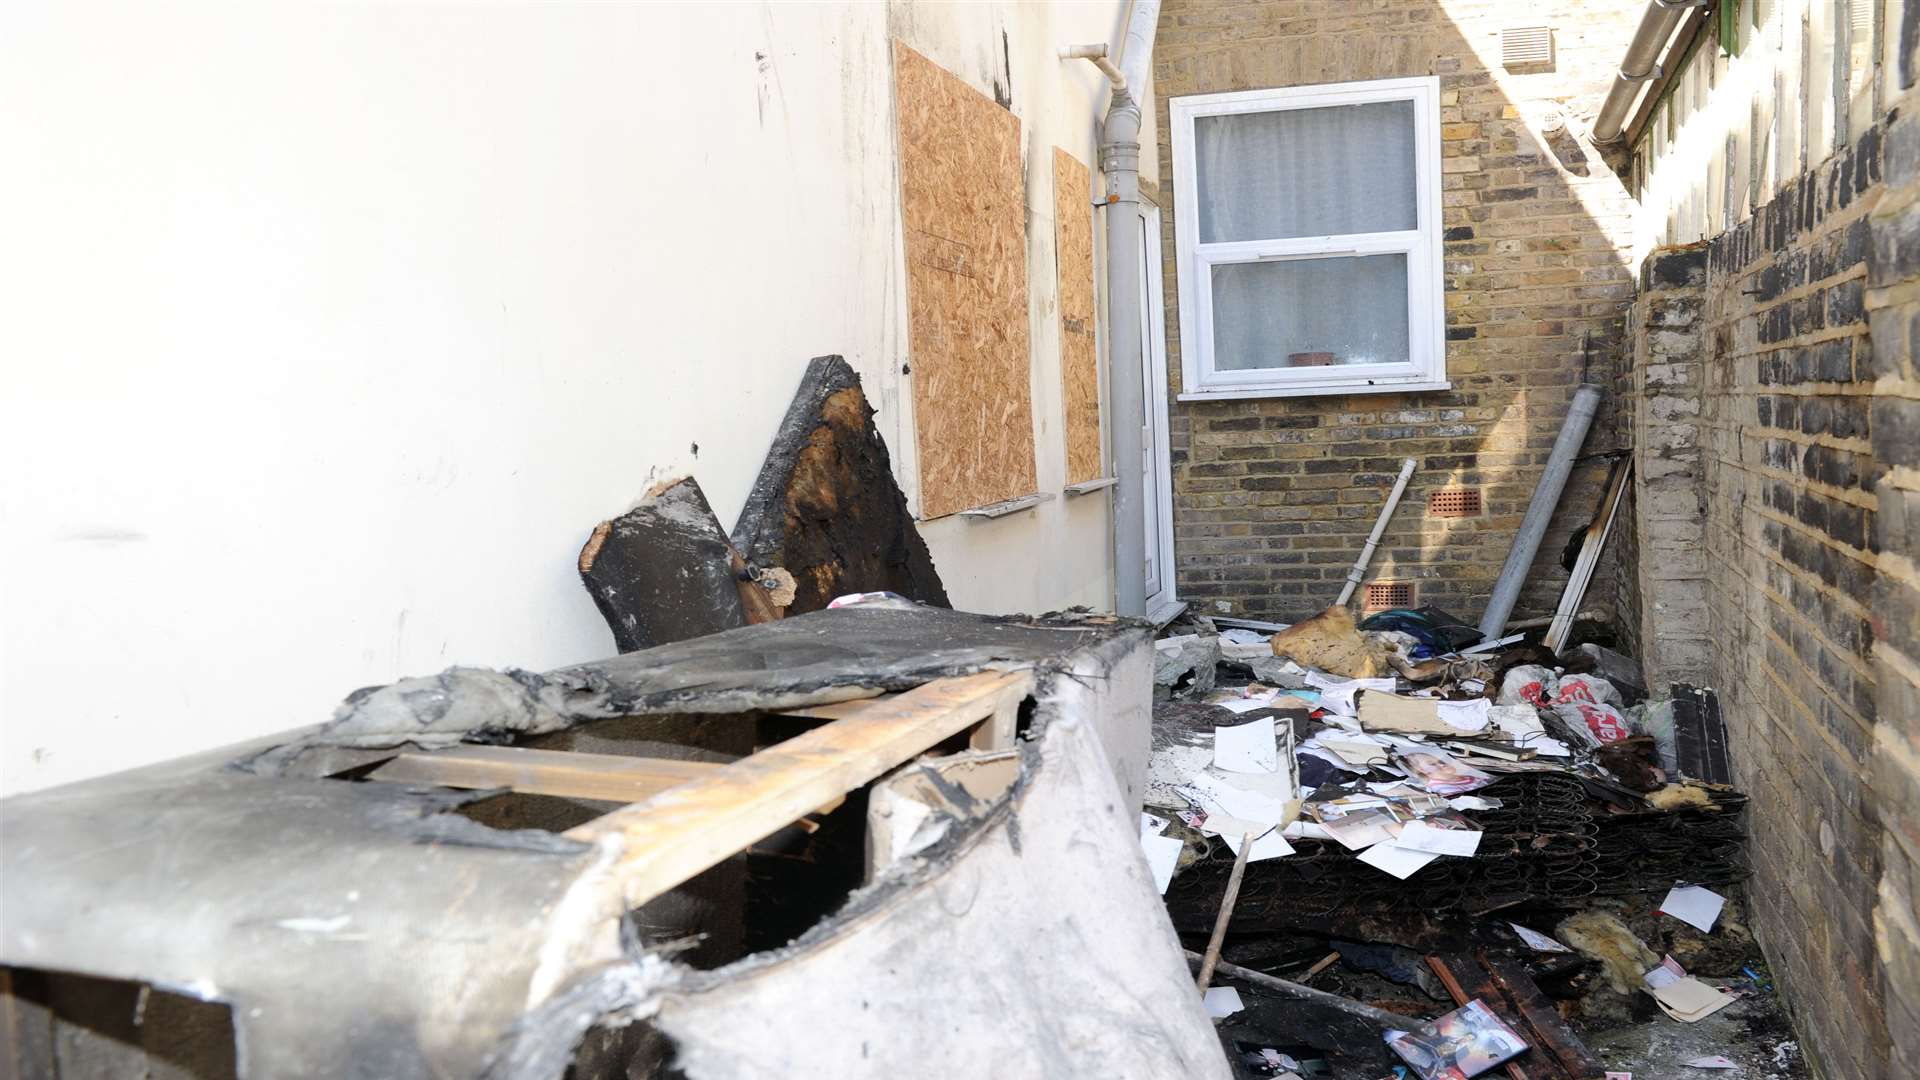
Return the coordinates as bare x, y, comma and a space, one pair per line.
1321, 753
1538, 941
1219, 797
1270, 846
1240, 635
1163, 855
1714, 1062
1151, 825
1247, 748
1305, 830
1474, 802
1465, 715
1420, 836
1237, 705
1221, 1001
1336, 694
1688, 1000
1668, 973
1693, 905
1354, 749
1396, 860
1522, 723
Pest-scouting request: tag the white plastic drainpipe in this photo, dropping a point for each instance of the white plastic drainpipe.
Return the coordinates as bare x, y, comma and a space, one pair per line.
1379, 528
1120, 162
1097, 54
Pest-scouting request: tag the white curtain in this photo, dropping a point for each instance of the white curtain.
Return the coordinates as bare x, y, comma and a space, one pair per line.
1310, 312
1301, 173
1306, 172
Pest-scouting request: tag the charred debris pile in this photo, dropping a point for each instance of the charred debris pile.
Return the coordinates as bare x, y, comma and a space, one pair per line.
1399, 849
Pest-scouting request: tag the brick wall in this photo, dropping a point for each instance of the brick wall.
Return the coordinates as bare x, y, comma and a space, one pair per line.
1893, 431
1663, 604
1763, 359
1274, 498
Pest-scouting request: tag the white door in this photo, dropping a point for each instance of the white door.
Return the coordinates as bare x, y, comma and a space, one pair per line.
1157, 491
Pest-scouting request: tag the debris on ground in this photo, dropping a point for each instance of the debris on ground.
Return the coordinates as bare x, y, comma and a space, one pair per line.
1430, 799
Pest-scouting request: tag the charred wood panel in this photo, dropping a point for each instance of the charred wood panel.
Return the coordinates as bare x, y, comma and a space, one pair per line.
825, 506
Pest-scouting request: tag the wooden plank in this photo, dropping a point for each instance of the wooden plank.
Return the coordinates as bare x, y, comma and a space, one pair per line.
607, 777
839, 710
1079, 351
1466, 981
1591, 549
963, 205
684, 830
1546, 1029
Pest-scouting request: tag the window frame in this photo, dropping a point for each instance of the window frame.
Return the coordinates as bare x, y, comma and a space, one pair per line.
1194, 261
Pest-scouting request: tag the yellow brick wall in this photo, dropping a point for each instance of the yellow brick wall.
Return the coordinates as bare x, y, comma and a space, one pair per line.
1274, 498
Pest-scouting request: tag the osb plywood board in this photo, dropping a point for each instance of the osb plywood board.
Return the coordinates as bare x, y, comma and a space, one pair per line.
963, 204
1079, 355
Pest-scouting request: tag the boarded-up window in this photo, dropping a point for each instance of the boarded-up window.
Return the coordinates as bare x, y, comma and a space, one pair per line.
1079, 352
963, 205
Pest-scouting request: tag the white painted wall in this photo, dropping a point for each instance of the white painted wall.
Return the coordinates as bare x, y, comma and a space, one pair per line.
330, 331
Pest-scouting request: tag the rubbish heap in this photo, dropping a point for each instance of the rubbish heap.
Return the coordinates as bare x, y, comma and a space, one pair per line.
1400, 796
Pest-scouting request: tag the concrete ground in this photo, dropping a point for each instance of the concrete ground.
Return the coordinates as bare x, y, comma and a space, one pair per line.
1753, 1031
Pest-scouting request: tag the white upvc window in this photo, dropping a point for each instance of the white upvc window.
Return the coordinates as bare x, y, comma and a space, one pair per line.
1307, 232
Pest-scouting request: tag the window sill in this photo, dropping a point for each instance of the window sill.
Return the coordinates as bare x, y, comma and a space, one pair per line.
1006, 506
1323, 390
1088, 487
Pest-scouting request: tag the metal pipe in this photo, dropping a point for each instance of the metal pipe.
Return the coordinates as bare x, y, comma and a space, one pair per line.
1120, 162
1639, 65
1546, 496
1366, 553
1097, 54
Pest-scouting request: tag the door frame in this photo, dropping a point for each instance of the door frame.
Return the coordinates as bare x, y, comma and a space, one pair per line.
1165, 605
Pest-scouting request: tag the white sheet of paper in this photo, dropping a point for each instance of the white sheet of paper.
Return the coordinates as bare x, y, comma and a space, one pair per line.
1219, 800
1660, 979
1523, 723
1271, 846
1668, 973
1163, 854
1267, 797
1336, 694
1151, 825
1465, 715
1474, 802
1420, 836
1228, 825
1246, 748
1693, 905
1240, 635
1221, 1001
1714, 1062
1305, 830
1538, 941
1247, 704
1398, 861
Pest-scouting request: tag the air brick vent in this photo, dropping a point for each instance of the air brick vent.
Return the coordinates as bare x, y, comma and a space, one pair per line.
1383, 595
1455, 502
1525, 46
